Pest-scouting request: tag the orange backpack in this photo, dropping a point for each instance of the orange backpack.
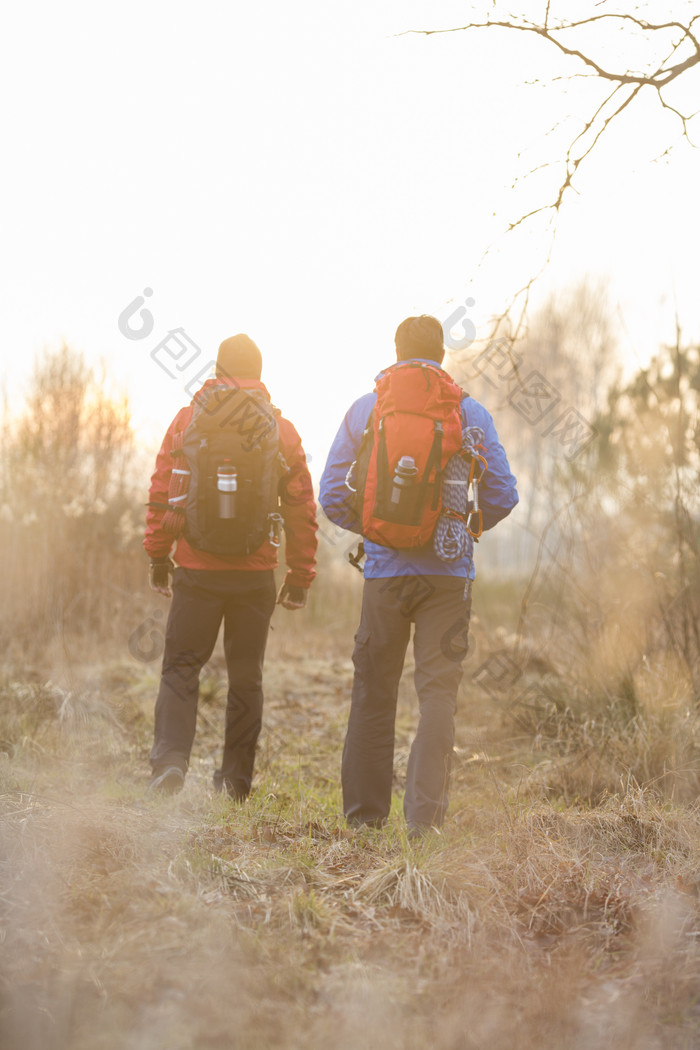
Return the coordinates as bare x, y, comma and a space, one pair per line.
396, 480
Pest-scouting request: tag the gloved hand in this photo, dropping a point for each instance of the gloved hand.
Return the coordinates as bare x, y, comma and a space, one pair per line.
291, 597
159, 574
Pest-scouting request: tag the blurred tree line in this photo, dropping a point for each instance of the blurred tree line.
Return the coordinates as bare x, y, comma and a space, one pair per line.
69, 511
607, 532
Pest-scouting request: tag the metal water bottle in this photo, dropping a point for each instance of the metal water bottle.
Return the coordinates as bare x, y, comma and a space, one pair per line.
226, 485
405, 476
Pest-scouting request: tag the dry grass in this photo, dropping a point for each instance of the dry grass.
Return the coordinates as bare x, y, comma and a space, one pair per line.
192, 923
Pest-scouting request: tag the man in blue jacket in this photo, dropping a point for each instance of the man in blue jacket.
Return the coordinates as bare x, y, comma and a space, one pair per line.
400, 588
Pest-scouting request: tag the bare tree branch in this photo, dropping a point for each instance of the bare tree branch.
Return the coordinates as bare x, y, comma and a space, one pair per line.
627, 86
660, 78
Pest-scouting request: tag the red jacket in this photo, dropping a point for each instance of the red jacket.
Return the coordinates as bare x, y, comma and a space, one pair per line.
298, 508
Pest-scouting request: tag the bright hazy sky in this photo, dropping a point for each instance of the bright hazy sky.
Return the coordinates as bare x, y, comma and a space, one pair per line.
304, 173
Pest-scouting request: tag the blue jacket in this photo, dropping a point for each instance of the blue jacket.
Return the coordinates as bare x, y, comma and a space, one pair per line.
497, 493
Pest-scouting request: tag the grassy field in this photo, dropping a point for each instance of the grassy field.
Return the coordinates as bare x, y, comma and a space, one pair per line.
558, 907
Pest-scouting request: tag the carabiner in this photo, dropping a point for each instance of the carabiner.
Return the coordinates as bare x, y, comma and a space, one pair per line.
475, 533
276, 523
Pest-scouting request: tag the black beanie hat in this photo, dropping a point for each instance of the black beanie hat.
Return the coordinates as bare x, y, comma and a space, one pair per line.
238, 356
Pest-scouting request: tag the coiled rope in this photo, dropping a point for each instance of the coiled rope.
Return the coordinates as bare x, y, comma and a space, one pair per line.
454, 533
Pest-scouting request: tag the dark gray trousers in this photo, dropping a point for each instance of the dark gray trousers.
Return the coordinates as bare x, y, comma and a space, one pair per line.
202, 598
440, 610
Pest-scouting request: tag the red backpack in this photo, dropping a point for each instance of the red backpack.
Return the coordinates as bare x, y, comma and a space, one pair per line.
414, 428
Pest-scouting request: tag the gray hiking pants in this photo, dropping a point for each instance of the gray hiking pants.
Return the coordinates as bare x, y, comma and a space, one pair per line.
440, 610
202, 598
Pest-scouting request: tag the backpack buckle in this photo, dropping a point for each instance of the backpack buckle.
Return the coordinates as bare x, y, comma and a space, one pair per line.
356, 558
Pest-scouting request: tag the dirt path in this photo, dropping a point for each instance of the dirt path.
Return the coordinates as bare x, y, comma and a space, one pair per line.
190, 923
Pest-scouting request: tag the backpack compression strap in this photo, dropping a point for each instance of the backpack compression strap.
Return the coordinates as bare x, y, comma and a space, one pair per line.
174, 518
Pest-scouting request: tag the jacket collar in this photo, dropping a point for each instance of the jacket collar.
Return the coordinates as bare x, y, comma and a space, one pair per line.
236, 383
408, 361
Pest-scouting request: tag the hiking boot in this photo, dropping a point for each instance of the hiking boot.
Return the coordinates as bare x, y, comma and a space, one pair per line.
167, 780
419, 832
375, 823
237, 790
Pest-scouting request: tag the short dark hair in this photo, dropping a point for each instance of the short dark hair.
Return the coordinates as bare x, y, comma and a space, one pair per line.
420, 337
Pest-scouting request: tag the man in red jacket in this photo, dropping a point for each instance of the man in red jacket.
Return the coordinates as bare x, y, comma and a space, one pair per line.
210, 587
